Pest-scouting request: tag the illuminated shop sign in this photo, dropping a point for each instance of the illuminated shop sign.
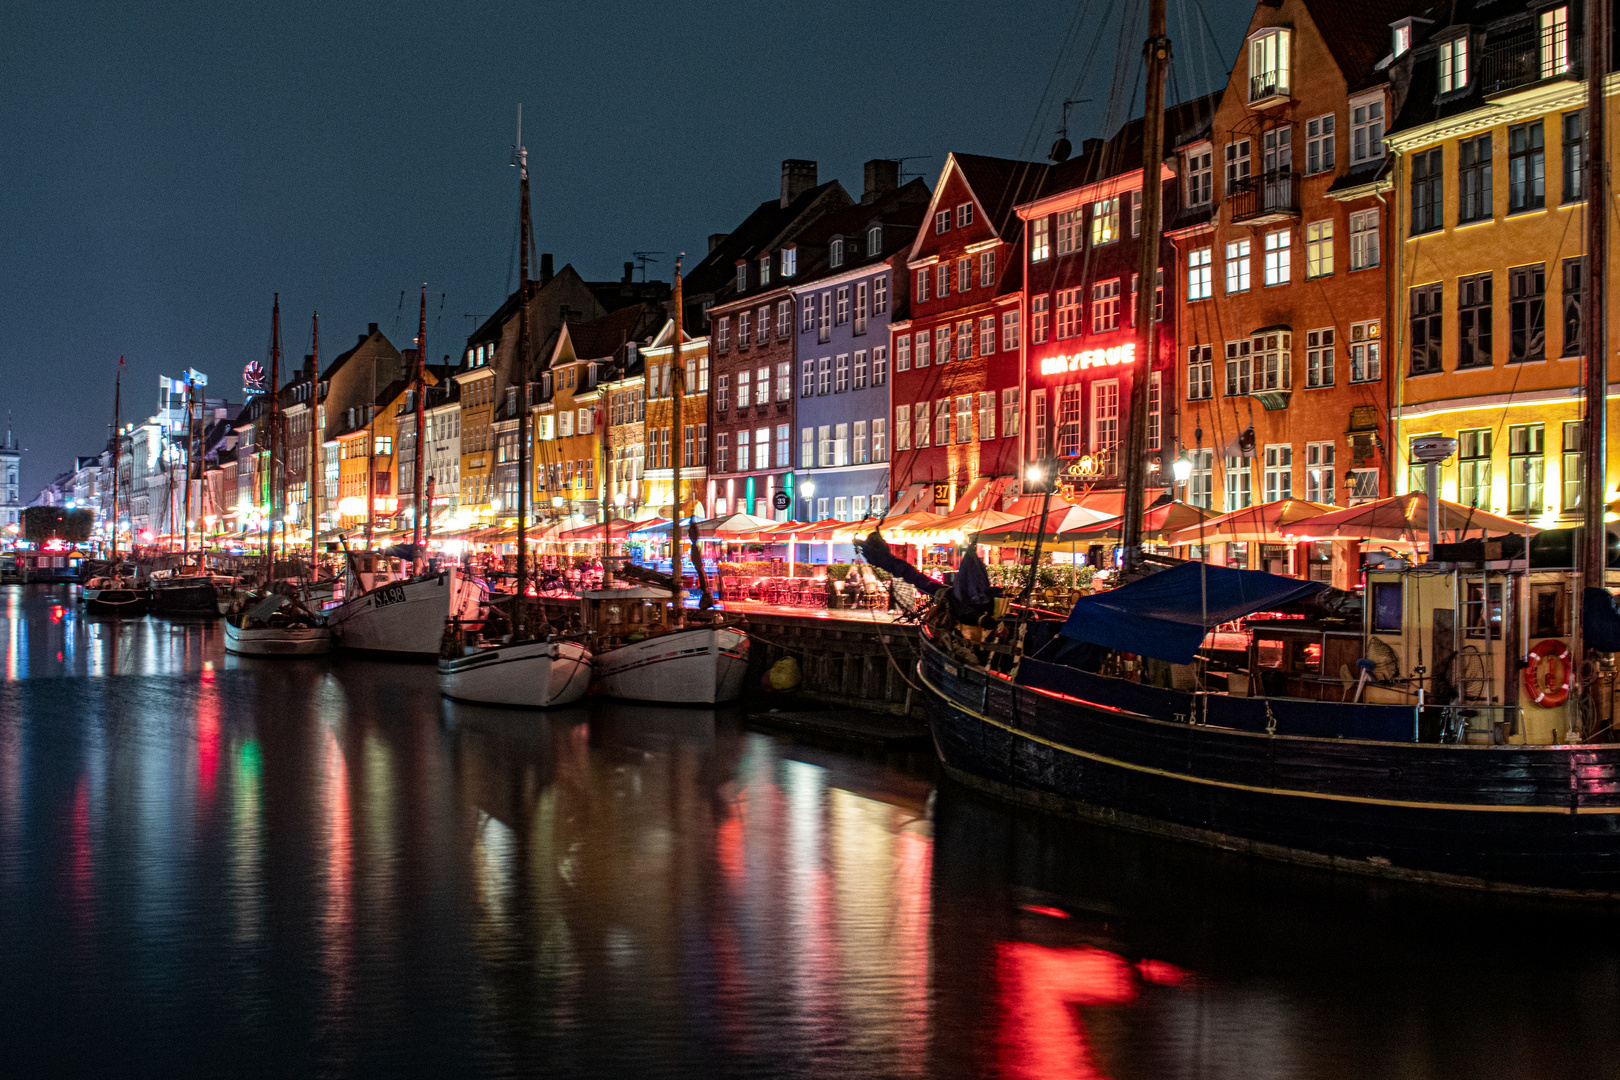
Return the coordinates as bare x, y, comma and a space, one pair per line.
1091, 358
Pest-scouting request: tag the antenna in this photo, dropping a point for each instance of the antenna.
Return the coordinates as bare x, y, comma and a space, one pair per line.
643, 258
901, 161
520, 155
1063, 148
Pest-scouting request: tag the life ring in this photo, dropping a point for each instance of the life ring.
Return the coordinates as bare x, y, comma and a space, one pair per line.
1554, 693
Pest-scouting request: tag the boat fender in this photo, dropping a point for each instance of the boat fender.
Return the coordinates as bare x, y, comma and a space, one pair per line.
1553, 693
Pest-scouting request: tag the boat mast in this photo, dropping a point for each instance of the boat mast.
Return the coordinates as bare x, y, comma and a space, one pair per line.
275, 381
314, 427
118, 453
421, 433
607, 465
677, 379
1157, 53
519, 611
1594, 437
185, 505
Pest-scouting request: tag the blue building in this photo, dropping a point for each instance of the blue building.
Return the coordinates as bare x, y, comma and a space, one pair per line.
852, 263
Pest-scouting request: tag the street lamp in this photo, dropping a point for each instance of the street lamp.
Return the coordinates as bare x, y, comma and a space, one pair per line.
1034, 474
1181, 468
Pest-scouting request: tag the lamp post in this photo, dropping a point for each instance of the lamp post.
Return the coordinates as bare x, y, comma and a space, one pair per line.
1037, 473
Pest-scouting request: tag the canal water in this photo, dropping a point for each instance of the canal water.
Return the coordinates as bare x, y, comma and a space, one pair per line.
212, 866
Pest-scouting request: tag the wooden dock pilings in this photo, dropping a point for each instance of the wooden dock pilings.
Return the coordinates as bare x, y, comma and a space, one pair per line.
853, 660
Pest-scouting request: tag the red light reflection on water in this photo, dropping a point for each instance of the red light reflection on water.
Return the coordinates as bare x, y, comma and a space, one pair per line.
207, 742
1041, 1033
57, 611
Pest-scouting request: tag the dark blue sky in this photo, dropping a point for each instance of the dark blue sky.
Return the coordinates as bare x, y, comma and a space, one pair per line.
168, 167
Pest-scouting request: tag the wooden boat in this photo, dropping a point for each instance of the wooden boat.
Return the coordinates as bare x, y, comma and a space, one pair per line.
642, 655
536, 674
276, 625
183, 592
113, 595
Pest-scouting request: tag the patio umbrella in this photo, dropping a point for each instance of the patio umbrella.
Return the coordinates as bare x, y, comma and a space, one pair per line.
958, 527
1157, 521
1268, 523
1405, 519
1058, 521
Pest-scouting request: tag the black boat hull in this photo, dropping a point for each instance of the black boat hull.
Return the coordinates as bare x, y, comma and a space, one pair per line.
1538, 818
184, 600
116, 602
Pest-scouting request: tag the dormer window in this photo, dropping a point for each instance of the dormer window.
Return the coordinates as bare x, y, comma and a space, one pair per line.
764, 269
790, 261
836, 253
1555, 42
742, 277
1402, 40
874, 240
1454, 64
1270, 65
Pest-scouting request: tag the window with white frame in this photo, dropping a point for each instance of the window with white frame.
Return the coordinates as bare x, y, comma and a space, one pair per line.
874, 240
923, 345
1009, 330
841, 373
942, 345
842, 311
765, 269
722, 393
858, 378
790, 261
902, 352
1366, 131
1040, 239
841, 445
1319, 144
822, 512
824, 325
1319, 249
1038, 316
964, 273
1237, 368
1068, 231
745, 333
857, 452
987, 415
1278, 257
1158, 296
880, 294
1554, 42
835, 252
880, 365
1069, 420
744, 381
1454, 64
1104, 307
841, 507
722, 452
964, 340
1273, 360
807, 313
722, 334
784, 381
1319, 479
807, 378
784, 318
987, 268
1201, 482
1199, 274
762, 386
987, 335
857, 508
1237, 164
1270, 64
1200, 372
1366, 365
1237, 266
922, 283
1319, 357
1363, 239
860, 307
807, 448
1155, 422
824, 376
1239, 483
964, 215
942, 280
824, 438
880, 440
902, 427
1200, 176
921, 425
742, 277
1105, 423
942, 222
1279, 472
1037, 425
1009, 413
1068, 313
942, 422
784, 446
1105, 221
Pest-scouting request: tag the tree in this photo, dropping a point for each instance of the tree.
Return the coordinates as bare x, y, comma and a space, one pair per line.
45, 523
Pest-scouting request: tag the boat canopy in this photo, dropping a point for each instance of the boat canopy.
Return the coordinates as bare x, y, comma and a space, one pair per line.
1166, 615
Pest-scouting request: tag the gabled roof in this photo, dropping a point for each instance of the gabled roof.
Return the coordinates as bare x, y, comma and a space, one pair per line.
763, 229
602, 337
1357, 32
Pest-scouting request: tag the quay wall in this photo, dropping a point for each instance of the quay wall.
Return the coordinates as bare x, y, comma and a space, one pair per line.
841, 661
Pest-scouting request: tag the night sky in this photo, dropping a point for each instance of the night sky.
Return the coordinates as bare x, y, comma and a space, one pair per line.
168, 167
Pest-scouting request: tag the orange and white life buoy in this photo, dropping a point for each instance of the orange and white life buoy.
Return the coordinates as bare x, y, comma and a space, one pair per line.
1553, 693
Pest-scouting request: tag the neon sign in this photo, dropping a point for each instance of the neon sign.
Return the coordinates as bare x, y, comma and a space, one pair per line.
1091, 358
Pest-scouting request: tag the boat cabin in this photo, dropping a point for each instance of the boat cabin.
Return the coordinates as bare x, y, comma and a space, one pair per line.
1304, 658
625, 614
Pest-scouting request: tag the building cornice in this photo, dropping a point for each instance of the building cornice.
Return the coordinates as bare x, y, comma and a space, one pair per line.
1536, 101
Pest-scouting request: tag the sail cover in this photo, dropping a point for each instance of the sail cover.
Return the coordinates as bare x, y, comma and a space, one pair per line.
1166, 615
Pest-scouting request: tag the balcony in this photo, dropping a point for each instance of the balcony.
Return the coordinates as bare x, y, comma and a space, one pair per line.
1520, 61
1259, 199
1267, 89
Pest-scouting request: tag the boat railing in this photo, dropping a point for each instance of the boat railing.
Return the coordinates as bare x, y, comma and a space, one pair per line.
1481, 724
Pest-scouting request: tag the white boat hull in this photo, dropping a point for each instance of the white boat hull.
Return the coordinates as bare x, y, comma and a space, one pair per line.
703, 665
537, 674
277, 640
401, 618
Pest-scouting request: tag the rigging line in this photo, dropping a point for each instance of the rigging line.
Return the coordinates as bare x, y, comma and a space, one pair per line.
1031, 140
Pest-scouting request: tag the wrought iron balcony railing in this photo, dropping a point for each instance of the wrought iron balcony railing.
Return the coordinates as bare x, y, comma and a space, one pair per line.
1270, 197
1525, 59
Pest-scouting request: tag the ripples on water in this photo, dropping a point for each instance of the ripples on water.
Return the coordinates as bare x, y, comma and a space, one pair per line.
212, 866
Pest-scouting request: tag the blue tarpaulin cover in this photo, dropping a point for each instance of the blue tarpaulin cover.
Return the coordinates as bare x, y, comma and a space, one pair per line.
1600, 621
1163, 615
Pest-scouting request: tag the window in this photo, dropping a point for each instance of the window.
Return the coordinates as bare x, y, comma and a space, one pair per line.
923, 340
722, 334
1474, 458
1574, 281
821, 509
1105, 221
385, 446
1573, 473
1426, 330
1554, 42
1198, 274
835, 252
1366, 363
784, 446
1135, 198
942, 422
1527, 167
1200, 372
1237, 165
824, 326
1105, 423
860, 307
702, 374
1068, 421
1200, 177
964, 418
1040, 244
1278, 264
1474, 321
790, 261
1319, 144
744, 379
1201, 483
1237, 368
922, 284
1155, 400
1038, 316
1319, 357
987, 268
964, 273
1009, 330
824, 437
807, 378
1009, 413
942, 222
762, 387
1527, 313
1319, 479
1269, 64
842, 314
874, 240
1068, 313
762, 449
880, 294
1366, 131
1158, 296
858, 448
841, 374
1068, 231
1104, 307
1279, 472
921, 427
964, 340
902, 427
987, 335
1402, 42
784, 319
824, 376
1239, 483
1318, 249
1363, 239
1428, 190
784, 381
722, 391
1273, 360
807, 313
722, 452
1574, 125
742, 277
964, 215
807, 448
943, 280
942, 345
1037, 421
858, 382
902, 352
1237, 266
880, 441
987, 415
745, 322
1454, 64
841, 507
1527, 464
702, 450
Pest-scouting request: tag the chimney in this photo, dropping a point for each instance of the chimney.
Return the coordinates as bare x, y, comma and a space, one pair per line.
629, 268
716, 239
1090, 146
882, 177
798, 177
545, 267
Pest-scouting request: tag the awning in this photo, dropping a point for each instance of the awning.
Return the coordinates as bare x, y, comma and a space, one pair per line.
1166, 615
1405, 518
969, 498
1158, 521
916, 497
1268, 523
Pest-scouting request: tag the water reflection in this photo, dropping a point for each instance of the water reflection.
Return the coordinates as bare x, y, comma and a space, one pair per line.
212, 868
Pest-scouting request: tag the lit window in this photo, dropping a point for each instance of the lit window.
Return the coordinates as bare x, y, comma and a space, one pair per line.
1269, 65
1454, 64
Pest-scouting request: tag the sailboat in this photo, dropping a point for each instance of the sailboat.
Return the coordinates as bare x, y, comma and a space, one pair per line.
111, 592
648, 646
521, 669
185, 589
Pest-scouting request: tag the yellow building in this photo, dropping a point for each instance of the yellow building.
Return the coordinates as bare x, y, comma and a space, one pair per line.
567, 465
1490, 276
660, 434
477, 381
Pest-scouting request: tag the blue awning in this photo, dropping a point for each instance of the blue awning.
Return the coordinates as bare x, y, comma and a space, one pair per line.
1166, 615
